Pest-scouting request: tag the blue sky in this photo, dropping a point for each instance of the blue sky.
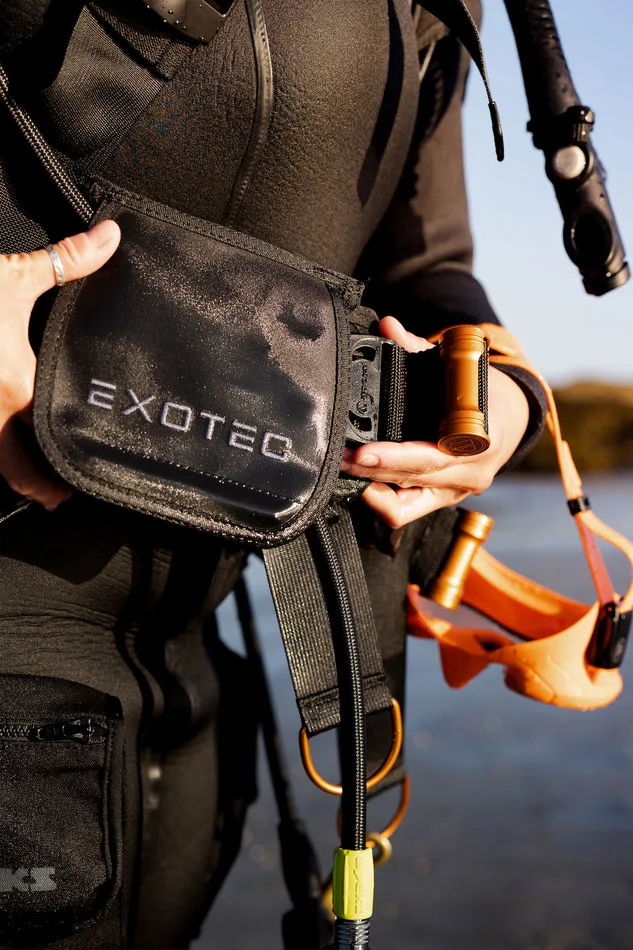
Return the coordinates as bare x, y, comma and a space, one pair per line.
535, 289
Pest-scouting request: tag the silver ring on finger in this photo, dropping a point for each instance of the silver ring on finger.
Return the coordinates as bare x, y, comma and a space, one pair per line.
58, 267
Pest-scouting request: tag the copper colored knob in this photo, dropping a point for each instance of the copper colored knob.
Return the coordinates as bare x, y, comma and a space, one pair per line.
464, 426
472, 530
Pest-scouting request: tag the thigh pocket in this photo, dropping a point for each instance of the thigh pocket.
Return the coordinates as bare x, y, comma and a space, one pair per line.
61, 806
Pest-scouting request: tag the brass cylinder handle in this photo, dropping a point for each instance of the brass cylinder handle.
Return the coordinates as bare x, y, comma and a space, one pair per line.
472, 530
464, 426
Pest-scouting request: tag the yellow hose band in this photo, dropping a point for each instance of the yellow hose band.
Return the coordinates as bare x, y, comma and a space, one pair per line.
353, 884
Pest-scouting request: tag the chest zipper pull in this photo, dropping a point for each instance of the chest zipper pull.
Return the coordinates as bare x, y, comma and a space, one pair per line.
78, 730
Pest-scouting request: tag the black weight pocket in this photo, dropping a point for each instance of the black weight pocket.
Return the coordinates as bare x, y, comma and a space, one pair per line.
61, 807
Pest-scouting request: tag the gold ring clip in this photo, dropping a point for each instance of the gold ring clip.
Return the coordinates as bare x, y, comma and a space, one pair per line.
385, 768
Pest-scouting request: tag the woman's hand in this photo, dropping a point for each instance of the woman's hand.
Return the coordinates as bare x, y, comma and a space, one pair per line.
427, 478
24, 278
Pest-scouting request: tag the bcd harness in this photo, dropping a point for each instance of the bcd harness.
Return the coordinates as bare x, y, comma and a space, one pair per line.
318, 580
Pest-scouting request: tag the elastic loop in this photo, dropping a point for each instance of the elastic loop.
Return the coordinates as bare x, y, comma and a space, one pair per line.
329, 787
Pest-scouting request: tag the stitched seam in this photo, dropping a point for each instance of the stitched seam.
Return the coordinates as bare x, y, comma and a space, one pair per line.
264, 102
186, 223
186, 468
244, 532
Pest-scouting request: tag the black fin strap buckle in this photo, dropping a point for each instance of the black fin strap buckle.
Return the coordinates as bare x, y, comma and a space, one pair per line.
576, 505
610, 638
377, 390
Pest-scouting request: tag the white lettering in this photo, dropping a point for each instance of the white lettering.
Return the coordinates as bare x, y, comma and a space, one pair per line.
181, 418
240, 440
27, 880
99, 397
42, 878
283, 452
184, 424
12, 880
138, 405
212, 421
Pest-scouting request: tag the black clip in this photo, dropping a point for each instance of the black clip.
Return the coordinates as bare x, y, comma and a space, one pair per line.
197, 19
608, 644
367, 354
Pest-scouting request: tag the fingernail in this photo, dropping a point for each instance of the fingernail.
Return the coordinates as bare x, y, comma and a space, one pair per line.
368, 460
51, 507
345, 466
102, 233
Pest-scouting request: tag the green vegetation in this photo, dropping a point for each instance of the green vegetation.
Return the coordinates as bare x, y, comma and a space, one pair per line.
597, 421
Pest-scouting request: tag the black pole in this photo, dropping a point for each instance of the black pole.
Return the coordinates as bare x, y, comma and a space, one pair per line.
561, 127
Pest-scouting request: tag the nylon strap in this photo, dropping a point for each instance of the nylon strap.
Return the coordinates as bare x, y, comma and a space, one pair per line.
457, 17
143, 57
305, 627
505, 350
161, 48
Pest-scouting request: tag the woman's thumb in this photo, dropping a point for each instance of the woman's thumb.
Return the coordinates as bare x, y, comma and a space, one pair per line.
78, 256
393, 329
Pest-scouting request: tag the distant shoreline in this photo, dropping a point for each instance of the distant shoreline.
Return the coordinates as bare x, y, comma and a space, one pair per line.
597, 421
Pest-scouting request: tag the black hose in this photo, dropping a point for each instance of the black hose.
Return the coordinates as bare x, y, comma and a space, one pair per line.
548, 82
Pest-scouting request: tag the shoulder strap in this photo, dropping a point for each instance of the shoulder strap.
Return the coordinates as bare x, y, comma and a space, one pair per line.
457, 17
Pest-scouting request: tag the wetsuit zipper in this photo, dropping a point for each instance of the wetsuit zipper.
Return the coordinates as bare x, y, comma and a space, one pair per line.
84, 729
45, 153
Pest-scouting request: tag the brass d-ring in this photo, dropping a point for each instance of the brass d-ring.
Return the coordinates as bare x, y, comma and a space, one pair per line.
405, 797
385, 768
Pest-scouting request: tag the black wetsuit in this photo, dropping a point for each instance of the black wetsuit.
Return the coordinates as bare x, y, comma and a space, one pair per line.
341, 161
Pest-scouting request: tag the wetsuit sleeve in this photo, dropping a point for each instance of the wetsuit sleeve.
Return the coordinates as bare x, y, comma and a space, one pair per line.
418, 265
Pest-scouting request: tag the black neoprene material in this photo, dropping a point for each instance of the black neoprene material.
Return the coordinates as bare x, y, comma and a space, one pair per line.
413, 231
98, 602
331, 63
61, 743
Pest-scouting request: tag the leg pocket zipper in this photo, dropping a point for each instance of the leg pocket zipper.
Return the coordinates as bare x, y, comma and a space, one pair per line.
61, 807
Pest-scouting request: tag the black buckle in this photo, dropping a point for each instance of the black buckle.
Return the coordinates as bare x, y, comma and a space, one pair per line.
197, 19
572, 127
608, 644
367, 354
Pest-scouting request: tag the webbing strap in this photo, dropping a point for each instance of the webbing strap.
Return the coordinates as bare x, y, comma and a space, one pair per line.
305, 627
164, 50
457, 17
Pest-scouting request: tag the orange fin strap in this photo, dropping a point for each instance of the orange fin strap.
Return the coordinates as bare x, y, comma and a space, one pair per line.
506, 350
551, 664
